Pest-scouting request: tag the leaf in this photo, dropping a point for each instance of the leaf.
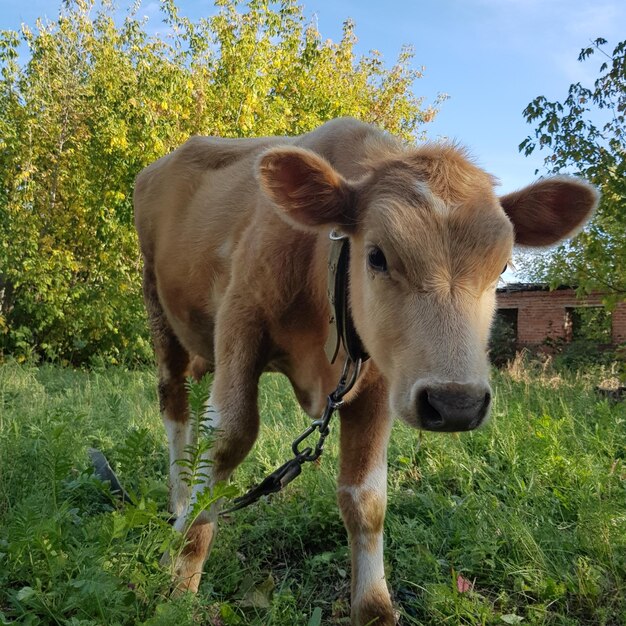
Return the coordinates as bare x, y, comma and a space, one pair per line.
260, 597
25, 594
228, 614
316, 617
463, 585
511, 618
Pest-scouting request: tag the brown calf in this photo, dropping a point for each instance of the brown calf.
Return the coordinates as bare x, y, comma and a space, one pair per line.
234, 235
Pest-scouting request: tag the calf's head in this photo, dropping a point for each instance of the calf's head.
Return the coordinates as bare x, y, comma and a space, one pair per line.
429, 239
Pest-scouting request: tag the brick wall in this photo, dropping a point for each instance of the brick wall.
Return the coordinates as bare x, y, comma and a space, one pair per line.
618, 319
541, 314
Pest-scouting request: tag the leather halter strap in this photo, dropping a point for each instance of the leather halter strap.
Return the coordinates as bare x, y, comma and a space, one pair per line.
341, 325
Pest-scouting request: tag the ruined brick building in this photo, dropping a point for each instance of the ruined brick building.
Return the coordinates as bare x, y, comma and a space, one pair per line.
537, 314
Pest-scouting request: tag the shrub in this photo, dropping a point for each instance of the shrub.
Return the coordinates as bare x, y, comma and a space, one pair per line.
96, 101
502, 342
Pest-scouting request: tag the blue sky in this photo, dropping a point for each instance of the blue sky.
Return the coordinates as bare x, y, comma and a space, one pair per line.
492, 57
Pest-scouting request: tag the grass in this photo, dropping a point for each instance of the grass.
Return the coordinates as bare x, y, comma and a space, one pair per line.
523, 522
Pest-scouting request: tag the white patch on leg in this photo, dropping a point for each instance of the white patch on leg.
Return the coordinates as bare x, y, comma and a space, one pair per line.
182, 562
370, 571
178, 439
225, 250
212, 418
376, 480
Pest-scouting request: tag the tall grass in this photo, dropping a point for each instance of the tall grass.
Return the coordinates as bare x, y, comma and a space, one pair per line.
521, 522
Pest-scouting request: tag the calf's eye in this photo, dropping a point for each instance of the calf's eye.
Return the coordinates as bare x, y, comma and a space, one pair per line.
376, 260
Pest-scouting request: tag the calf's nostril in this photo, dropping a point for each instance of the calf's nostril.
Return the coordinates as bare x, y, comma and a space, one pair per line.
430, 417
486, 403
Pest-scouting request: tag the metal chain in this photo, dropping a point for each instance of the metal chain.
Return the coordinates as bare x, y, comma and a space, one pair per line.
282, 476
334, 401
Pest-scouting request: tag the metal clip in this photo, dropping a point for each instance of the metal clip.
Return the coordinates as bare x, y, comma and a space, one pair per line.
336, 236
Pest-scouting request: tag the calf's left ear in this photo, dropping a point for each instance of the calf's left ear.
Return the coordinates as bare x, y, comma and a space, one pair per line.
549, 210
307, 191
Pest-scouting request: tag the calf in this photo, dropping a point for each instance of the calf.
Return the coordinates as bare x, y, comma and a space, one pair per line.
235, 239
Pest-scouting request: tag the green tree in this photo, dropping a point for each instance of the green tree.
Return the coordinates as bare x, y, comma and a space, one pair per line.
94, 102
585, 134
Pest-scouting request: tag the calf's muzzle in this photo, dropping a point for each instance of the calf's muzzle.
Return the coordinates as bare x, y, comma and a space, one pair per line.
452, 407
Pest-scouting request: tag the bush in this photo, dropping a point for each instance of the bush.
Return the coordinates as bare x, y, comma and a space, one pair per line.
582, 353
502, 342
95, 102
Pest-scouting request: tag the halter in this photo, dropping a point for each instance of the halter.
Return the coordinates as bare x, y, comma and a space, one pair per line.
342, 330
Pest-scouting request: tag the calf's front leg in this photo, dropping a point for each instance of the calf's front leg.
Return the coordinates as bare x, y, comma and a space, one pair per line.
362, 496
232, 411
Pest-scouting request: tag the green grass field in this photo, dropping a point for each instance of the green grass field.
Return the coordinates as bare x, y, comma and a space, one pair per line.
523, 522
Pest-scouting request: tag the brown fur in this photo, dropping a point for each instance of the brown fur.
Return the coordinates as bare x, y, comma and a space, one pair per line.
234, 235
365, 516
197, 543
375, 610
365, 422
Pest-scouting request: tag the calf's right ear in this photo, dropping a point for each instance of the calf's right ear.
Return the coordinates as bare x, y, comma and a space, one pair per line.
549, 210
307, 191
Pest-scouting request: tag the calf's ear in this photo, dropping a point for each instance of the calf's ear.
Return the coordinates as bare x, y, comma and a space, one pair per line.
307, 191
549, 210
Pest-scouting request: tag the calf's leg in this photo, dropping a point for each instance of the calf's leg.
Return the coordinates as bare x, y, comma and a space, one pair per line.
362, 496
232, 410
173, 361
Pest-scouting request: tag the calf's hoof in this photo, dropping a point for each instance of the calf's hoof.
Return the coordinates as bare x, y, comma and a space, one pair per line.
186, 566
376, 610
375, 619
185, 576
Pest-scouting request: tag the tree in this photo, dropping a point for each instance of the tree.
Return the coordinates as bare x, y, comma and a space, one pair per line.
586, 134
95, 102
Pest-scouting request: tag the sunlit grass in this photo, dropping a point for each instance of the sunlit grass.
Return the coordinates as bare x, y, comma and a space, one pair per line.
531, 511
